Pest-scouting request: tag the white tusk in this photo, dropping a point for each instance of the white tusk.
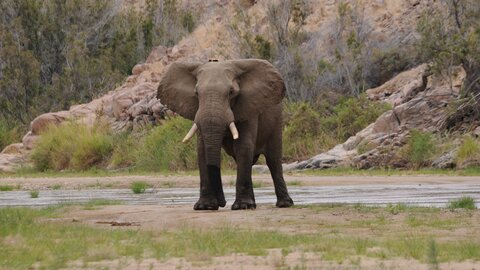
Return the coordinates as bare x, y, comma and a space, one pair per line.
234, 130
190, 133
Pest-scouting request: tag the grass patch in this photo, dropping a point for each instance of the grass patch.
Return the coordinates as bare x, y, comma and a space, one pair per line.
257, 184
139, 187
163, 150
312, 129
463, 202
72, 146
95, 203
420, 148
295, 183
27, 238
34, 194
7, 188
468, 152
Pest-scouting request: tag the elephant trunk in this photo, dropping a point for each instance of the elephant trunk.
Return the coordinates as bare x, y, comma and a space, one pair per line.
212, 134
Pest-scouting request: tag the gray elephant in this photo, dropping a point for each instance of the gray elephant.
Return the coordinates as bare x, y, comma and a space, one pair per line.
235, 104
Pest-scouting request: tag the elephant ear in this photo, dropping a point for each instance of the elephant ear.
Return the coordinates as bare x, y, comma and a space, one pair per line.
177, 89
261, 86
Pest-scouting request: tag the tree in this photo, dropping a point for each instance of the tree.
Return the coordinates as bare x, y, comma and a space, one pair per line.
450, 35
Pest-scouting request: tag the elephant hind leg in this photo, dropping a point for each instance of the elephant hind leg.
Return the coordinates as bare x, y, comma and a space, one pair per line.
273, 157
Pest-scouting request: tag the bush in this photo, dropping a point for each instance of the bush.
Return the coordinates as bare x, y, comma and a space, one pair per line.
468, 152
463, 202
72, 146
352, 115
309, 131
303, 136
139, 187
163, 149
420, 148
124, 150
8, 134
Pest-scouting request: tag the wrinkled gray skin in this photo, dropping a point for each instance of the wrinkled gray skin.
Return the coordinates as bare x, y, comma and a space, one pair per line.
215, 94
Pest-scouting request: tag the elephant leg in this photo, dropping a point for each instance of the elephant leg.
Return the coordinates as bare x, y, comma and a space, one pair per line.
211, 191
244, 153
273, 157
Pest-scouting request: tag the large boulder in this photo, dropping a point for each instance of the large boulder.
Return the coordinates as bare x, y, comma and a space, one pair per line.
420, 101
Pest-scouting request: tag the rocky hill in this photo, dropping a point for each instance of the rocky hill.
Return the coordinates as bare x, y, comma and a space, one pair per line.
419, 100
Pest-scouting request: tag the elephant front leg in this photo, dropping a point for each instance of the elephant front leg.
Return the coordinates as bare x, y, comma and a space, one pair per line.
211, 190
244, 198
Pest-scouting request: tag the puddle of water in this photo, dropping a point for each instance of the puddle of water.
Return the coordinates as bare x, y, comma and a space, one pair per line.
422, 195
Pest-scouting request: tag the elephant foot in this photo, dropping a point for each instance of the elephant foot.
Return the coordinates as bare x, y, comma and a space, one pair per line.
221, 202
242, 205
284, 203
208, 204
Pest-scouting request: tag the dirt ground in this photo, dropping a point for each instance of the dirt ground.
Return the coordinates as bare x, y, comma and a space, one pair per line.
291, 221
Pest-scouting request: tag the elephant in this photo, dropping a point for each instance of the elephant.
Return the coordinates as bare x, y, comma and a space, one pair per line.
234, 104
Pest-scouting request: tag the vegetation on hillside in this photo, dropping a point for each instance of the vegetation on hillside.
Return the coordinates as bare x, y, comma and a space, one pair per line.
307, 131
450, 36
57, 53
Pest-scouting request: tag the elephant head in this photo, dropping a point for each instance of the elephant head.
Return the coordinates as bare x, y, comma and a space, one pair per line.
216, 95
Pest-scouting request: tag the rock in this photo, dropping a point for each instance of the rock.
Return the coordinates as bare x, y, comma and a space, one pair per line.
16, 148
139, 68
446, 161
30, 140
10, 162
157, 54
402, 88
124, 99
41, 123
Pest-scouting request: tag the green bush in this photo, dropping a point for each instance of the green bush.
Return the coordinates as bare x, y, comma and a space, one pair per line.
352, 115
463, 202
72, 146
124, 150
163, 149
303, 135
311, 130
468, 151
419, 149
8, 134
139, 187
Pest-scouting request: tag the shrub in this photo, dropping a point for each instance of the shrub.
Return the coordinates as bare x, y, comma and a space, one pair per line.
72, 146
303, 135
463, 202
163, 148
468, 151
309, 131
139, 187
34, 194
124, 150
8, 134
419, 149
352, 115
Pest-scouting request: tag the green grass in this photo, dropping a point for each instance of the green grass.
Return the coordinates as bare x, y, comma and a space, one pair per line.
420, 148
34, 194
468, 151
463, 202
163, 149
7, 188
27, 239
72, 146
139, 187
96, 203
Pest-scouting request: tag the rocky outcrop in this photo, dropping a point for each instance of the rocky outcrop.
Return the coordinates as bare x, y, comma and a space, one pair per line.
419, 100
